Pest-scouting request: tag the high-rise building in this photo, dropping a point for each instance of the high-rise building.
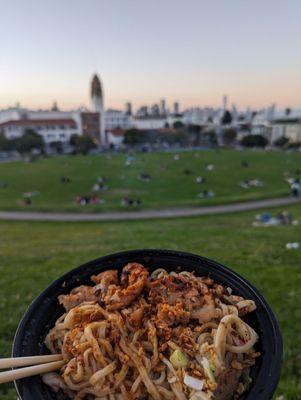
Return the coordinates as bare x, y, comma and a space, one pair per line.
155, 110
176, 108
54, 106
163, 107
97, 105
271, 112
142, 111
128, 108
225, 102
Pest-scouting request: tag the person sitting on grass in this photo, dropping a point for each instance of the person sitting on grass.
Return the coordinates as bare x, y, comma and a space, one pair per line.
27, 198
249, 183
296, 188
136, 202
95, 199
200, 179
65, 179
26, 201
245, 184
129, 160
128, 202
144, 177
266, 219
89, 199
285, 218
206, 194
125, 201
3, 185
98, 186
209, 167
256, 183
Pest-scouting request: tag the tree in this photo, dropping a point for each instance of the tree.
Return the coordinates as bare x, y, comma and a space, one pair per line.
229, 135
281, 142
134, 136
57, 146
6, 144
193, 128
73, 139
29, 141
227, 118
294, 145
194, 131
254, 141
178, 125
82, 144
210, 137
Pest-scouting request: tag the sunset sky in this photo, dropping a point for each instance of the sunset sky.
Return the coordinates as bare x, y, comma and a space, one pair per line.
193, 51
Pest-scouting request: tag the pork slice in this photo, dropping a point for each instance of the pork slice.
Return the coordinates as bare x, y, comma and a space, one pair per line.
227, 383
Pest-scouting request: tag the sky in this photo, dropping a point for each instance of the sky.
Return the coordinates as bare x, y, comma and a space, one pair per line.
191, 51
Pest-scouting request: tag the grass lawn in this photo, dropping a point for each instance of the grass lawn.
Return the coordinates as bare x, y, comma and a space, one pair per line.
169, 186
34, 254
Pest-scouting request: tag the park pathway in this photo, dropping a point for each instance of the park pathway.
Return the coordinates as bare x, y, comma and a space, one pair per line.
148, 214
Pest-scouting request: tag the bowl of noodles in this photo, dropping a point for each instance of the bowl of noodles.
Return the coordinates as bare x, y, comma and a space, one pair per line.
151, 324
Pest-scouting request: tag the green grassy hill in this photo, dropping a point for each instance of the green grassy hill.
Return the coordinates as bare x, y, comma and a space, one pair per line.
169, 185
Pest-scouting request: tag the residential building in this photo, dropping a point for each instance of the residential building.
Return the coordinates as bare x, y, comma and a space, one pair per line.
287, 127
52, 130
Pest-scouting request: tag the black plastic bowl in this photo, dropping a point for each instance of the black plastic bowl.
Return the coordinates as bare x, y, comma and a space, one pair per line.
44, 310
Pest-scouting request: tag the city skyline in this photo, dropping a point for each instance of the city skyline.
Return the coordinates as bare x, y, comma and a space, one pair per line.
192, 52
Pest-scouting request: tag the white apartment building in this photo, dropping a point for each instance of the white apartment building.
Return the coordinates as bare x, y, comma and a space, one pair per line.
149, 122
287, 127
51, 130
117, 119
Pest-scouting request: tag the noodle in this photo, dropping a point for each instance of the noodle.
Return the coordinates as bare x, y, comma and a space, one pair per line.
164, 336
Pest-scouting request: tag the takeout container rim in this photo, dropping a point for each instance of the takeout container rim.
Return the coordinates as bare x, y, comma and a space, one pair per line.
274, 367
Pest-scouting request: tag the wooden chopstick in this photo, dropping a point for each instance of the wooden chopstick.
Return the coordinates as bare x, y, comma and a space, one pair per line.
25, 361
15, 374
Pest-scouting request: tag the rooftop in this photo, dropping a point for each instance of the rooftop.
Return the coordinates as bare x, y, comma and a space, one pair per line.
36, 122
287, 121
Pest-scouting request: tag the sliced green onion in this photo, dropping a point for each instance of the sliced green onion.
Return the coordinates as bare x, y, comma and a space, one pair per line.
209, 369
178, 359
